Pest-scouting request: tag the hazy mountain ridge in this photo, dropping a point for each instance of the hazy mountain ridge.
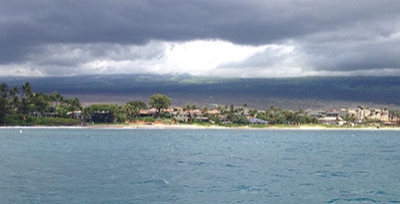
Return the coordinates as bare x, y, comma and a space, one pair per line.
293, 93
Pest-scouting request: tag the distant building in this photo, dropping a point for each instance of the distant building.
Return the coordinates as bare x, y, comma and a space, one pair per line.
316, 113
361, 114
182, 116
258, 121
147, 113
332, 113
332, 120
75, 114
213, 112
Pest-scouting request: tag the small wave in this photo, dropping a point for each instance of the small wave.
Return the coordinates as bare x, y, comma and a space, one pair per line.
329, 174
252, 188
198, 163
155, 181
306, 184
351, 200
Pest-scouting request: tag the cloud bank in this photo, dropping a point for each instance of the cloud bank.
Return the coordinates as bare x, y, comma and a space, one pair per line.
227, 38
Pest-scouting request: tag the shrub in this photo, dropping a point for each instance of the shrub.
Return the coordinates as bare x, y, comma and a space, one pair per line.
149, 120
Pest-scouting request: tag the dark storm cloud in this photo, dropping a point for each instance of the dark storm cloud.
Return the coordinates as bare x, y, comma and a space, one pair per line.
332, 35
355, 56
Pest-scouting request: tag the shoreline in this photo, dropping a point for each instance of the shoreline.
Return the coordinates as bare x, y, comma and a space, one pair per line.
199, 127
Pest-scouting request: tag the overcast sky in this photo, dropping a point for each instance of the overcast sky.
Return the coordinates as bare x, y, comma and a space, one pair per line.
231, 38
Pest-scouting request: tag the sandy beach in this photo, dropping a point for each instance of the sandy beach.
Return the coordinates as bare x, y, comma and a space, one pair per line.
202, 127
245, 127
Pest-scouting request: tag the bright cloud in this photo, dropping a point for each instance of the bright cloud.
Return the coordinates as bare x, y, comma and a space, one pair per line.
219, 37
200, 57
203, 57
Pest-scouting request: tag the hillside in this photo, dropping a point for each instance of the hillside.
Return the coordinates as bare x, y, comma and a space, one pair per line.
291, 93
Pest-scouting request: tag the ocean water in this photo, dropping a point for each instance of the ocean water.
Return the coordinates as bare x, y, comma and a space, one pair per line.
53, 165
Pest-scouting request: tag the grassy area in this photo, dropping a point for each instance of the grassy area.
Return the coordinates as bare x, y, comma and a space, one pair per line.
21, 120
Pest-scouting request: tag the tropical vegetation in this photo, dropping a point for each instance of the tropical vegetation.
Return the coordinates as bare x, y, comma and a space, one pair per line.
22, 106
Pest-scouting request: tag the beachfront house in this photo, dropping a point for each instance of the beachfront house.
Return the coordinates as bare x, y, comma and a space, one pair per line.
332, 120
75, 114
182, 117
189, 116
258, 121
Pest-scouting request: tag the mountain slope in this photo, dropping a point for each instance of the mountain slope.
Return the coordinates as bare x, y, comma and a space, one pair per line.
292, 93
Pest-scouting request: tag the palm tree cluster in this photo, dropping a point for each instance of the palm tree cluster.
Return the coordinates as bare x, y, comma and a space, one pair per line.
22, 100
276, 115
108, 113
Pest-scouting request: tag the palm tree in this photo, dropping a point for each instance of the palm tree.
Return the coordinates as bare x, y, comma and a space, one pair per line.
204, 110
4, 90
253, 113
133, 108
73, 104
40, 102
14, 91
57, 98
27, 90
188, 108
128, 108
232, 108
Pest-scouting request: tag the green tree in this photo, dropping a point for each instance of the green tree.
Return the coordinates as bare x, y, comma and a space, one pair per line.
253, 112
242, 120
120, 114
101, 113
66, 105
57, 98
188, 108
204, 110
73, 104
5, 104
40, 102
232, 108
3, 90
159, 102
132, 108
27, 90
14, 100
3, 109
26, 98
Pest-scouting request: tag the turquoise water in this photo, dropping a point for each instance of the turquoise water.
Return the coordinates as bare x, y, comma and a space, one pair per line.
199, 166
